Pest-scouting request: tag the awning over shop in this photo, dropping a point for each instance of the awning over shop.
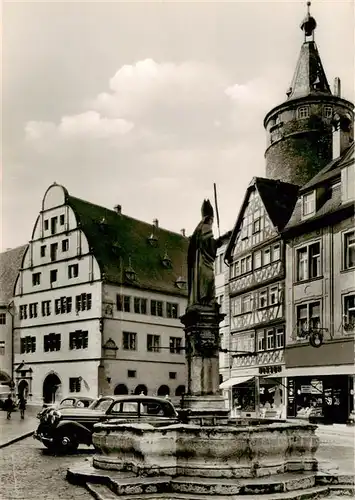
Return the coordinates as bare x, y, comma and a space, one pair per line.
316, 371
235, 381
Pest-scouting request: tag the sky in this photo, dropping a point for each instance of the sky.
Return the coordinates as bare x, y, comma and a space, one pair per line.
147, 104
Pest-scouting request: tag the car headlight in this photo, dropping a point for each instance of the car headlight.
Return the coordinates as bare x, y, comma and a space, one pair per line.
54, 416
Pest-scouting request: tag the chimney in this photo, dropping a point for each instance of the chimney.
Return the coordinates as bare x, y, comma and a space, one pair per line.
118, 209
155, 223
183, 232
337, 87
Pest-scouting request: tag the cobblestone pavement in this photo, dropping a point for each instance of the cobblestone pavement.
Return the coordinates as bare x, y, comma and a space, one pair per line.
28, 471
336, 448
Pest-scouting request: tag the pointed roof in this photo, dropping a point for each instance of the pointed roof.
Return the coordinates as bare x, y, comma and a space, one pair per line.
309, 77
119, 243
10, 263
278, 198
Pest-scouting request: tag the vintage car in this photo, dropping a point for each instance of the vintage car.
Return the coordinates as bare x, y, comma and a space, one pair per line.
63, 429
69, 402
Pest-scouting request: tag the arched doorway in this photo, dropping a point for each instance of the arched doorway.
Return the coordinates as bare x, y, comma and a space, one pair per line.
51, 388
120, 389
163, 390
180, 390
23, 389
141, 388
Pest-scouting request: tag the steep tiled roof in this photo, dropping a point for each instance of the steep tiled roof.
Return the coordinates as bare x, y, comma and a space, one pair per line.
10, 263
309, 77
279, 199
116, 239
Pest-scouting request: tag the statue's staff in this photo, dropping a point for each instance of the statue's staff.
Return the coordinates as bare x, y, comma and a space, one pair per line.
216, 205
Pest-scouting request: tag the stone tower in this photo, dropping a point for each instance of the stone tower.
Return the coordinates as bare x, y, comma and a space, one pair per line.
313, 125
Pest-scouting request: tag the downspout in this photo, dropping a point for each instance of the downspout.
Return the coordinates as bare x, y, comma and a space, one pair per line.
9, 308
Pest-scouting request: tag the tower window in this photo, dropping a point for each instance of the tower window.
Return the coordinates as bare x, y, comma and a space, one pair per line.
328, 111
303, 112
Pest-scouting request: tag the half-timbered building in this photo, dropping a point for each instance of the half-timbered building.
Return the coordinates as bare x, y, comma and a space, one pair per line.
255, 256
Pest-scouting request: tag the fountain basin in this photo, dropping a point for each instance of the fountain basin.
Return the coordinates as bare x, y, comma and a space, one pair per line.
210, 451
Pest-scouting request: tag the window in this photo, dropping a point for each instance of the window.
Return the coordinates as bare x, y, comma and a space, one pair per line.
54, 251
256, 226
153, 343
33, 310
273, 295
308, 262
220, 301
61, 220
73, 271
270, 340
129, 341
43, 250
75, 384
236, 306
156, 308
2, 348
266, 256
175, 345
83, 302
257, 259
349, 312
309, 203
276, 252
36, 279
46, 308
246, 303
280, 338
54, 222
65, 245
2, 318
327, 111
303, 112
63, 305
236, 268
131, 373
308, 317
349, 250
78, 340
28, 344
53, 275
123, 303
172, 310
261, 341
140, 305
51, 342
263, 299
245, 264
172, 375
46, 225
23, 311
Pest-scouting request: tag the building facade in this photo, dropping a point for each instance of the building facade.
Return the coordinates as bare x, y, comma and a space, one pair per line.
255, 256
97, 304
320, 295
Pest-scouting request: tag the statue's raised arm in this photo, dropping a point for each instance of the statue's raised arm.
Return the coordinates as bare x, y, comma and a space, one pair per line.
200, 261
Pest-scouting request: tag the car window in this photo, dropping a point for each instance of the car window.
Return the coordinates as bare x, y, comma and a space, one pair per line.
152, 409
102, 404
67, 402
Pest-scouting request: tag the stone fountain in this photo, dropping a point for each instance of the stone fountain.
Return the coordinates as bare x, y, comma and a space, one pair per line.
209, 454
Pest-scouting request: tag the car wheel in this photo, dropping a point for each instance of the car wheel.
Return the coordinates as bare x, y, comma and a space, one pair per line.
66, 442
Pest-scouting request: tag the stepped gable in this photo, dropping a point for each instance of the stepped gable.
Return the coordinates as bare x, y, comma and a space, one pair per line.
119, 242
10, 263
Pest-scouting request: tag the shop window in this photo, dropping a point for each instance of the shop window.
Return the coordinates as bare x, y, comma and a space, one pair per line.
36, 279
75, 384
257, 259
308, 204
349, 250
349, 313
303, 112
153, 343
308, 262
129, 341
175, 345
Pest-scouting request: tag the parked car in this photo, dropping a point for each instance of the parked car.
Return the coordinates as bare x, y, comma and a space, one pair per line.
64, 429
69, 402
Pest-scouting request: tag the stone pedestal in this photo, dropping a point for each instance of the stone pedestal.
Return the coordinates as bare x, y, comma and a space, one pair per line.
205, 404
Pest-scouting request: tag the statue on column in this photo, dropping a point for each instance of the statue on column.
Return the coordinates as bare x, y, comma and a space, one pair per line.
200, 261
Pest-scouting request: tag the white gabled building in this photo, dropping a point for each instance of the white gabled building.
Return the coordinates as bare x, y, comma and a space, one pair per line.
97, 303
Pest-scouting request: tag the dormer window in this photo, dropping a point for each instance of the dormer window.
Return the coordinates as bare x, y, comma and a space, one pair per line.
303, 112
327, 111
308, 204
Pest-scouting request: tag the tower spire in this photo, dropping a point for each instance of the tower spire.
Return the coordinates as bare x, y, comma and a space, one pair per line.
308, 24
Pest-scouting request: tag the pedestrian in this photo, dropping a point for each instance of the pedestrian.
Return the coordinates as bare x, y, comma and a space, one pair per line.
9, 406
22, 406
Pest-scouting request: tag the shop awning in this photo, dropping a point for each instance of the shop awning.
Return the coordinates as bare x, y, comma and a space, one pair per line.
316, 371
235, 381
